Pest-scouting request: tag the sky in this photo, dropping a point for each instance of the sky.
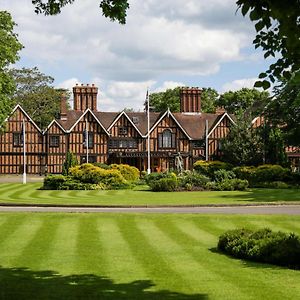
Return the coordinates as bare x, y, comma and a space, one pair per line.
164, 44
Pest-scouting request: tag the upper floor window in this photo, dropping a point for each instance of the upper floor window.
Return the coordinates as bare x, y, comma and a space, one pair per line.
90, 136
18, 139
124, 143
54, 140
166, 139
122, 130
198, 143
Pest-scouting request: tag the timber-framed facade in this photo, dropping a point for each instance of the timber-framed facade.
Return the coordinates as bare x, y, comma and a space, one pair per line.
114, 137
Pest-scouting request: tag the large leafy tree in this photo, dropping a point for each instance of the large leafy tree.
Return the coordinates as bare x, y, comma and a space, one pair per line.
161, 101
115, 10
9, 48
36, 95
243, 145
284, 110
243, 100
278, 35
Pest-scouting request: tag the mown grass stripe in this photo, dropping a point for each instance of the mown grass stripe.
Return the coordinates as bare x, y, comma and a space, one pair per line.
62, 253
119, 256
36, 253
223, 272
162, 274
17, 240
89, 250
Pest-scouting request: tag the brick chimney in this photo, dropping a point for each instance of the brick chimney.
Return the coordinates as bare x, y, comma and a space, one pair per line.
63, 107
190, 100
85, 96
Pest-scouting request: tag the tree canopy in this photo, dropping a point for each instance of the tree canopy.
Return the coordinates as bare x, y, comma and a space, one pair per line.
36, 95
278, 35
9, 48
115, 10
242, 100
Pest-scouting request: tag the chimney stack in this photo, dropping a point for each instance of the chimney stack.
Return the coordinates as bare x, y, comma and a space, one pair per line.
85, 96
190, 100
63, 107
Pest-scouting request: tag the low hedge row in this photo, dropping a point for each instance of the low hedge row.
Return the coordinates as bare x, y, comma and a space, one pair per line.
263, 245
92, 177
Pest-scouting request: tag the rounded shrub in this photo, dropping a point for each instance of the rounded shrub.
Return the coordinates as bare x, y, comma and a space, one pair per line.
162, 182
130, 173
209, 167
262, 246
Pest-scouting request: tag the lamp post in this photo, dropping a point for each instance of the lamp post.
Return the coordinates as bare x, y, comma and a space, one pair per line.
148, 139
24, 152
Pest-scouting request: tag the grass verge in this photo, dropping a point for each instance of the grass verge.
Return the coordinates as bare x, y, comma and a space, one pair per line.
113, 256
23, 194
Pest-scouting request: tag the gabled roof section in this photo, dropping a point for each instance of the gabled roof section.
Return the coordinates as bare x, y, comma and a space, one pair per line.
169, 114
86, 112
18, 106
219, 121
123, 113
54, 122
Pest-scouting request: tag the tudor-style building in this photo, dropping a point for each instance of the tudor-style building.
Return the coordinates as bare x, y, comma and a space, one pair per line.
114, 137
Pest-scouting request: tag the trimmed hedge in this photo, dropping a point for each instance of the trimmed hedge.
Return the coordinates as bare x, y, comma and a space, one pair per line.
192, 180
263, 245
209, 167
234, 184
162, 182
268, 176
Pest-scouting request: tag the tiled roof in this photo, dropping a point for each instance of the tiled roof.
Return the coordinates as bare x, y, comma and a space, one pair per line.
193, 124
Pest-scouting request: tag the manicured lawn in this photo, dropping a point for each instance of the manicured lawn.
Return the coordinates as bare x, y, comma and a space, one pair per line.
30, 193
134, 256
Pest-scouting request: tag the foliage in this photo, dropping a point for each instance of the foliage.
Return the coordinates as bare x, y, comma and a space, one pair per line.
102, 165
70, 161
284, 110
273, 144
162, 182
223, 174
192, 180
115, 10
9, 48
243, 145
262, 175
88, 173
244, 99
208, 168
278, 32
262, 246
209, 100
36, 95
233, 184
161, 101
130, 173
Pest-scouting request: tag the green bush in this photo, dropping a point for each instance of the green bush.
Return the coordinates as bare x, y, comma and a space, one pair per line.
223, 174
189, 180
162, 182
209, 167
273, 185
102, 165
262, 246
128, 172
234, 184
54, 182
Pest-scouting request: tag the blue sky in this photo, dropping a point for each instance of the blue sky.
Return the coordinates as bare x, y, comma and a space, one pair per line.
164, 44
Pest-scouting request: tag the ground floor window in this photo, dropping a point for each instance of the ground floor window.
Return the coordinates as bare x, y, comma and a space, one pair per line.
92, 159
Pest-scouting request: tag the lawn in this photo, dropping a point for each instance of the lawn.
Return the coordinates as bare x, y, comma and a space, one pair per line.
30, 193
135, 256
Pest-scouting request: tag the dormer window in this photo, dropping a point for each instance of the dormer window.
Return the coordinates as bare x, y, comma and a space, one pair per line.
166, 139
18, 139
54, 140
122, 130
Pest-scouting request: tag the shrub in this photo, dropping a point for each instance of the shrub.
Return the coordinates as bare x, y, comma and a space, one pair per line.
262, 246
162, 182
128, 172
190, 180
234, 184
102, 165
54, 182
71, 161
273, 185
209, 167
223, 174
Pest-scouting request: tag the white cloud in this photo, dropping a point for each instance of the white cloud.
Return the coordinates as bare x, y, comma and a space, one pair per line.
239, 84
168, 85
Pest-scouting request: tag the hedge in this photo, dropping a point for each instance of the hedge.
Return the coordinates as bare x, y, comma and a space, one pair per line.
263, 245
209, 167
